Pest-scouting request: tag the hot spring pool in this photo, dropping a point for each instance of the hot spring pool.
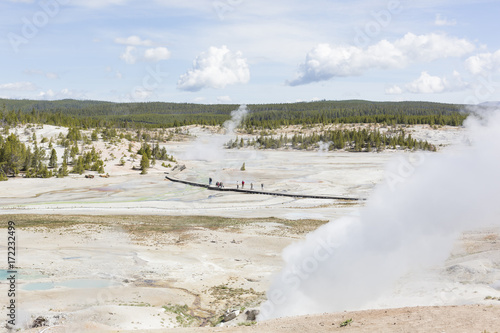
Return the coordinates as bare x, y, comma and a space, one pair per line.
73, 284
22, 274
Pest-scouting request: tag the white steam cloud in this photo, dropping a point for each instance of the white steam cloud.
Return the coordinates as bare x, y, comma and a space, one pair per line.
410, 223
212, 148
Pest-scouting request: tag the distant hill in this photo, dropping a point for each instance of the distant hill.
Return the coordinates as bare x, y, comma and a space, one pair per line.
491, 104
164, 114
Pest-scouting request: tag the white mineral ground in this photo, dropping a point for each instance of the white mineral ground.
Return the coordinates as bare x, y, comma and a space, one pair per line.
189, 267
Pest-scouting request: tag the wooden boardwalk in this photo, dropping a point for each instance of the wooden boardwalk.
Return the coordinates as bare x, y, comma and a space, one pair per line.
215, 188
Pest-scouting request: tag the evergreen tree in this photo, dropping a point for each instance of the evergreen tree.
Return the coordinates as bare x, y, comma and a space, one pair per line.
78, 166
144, 164
53, 159
12, 155
63, 170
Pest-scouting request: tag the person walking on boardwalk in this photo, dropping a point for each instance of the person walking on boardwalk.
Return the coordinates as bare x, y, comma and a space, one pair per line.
209, 181
251, 186
262, 187
242, 184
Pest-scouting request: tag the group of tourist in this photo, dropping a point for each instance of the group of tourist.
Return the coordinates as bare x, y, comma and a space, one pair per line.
221, 185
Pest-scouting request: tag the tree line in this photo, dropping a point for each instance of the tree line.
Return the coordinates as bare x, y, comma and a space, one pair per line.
96, 114
341, 139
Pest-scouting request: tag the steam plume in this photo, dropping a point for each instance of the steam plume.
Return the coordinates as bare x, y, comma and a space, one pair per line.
410, 222
212, 148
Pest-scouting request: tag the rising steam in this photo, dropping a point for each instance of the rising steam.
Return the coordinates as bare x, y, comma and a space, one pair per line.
409, 223
212, 148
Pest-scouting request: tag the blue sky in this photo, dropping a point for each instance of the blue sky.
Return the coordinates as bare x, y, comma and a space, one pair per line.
250, 51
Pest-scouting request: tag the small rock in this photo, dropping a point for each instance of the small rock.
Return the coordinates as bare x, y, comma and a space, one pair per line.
39, 322
230, 315
252, 314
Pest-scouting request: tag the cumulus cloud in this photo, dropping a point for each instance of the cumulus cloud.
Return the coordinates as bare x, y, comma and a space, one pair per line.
483, 63
19, 86
135, 46
429, 84
141, 94
224, 99
133, 41
216, 68
326, 61
157, 54
443, 21
394, 90
129, 56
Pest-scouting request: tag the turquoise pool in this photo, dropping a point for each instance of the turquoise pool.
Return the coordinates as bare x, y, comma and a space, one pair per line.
73, 284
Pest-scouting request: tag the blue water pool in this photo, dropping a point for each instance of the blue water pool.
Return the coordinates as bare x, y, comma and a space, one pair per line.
38, 286
73, 284
3, 274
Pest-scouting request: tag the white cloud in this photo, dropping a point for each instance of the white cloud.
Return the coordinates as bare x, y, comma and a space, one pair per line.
224, 99
157, 54
443, 21
216, 68
129, 55
133, 41
48, 75
325, 61
141, 94
46, 94
20, 86
199, 99
429, 84
483, 63
63, 93
394, 90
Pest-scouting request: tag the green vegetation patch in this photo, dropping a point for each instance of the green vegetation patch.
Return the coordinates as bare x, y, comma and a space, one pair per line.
184, 316
147, 224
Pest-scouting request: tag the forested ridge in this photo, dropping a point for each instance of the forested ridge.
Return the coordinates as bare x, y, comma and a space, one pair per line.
138, 122
91, 114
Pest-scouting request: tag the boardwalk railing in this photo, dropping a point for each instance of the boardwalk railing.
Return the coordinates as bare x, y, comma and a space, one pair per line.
223, 189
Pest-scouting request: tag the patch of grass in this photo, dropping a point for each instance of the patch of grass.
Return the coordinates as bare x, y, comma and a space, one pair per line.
215, 320
46, 221
225, 292
141, 304
144, 225
233, 298
184, 318
247, 323
346, 322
